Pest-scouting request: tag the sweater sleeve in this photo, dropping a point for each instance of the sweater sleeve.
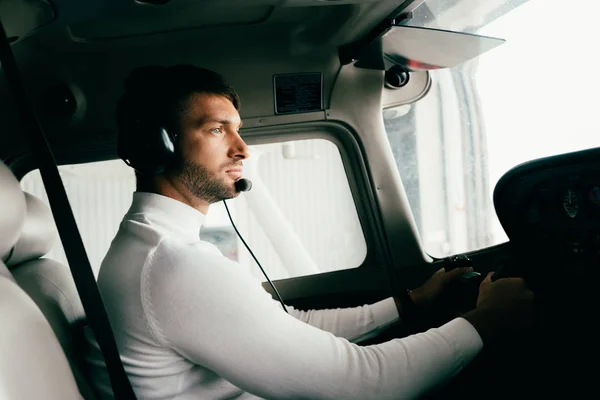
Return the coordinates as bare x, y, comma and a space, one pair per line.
353, 323
200, 305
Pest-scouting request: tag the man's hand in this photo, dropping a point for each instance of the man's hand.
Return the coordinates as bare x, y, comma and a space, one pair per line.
424, 296
503, 307
508, 296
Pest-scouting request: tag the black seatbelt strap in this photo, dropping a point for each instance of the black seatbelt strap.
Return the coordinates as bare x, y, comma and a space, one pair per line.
67, 227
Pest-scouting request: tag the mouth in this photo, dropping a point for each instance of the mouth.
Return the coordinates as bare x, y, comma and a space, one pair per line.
235, 172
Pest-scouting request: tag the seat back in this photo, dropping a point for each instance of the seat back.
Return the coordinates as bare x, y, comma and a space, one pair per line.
39, 305
33, 365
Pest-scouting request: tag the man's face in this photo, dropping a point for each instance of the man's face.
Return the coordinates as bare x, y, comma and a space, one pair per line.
211, 148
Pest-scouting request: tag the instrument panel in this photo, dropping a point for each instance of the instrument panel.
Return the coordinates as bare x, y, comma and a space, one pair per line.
552, 206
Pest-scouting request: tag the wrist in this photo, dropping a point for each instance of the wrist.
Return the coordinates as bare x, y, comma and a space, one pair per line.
487, 322
405, 305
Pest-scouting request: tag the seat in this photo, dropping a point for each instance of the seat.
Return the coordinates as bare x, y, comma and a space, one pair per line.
39, 304
33, 365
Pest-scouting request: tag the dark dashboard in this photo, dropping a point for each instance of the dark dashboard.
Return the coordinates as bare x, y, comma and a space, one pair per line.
550, 210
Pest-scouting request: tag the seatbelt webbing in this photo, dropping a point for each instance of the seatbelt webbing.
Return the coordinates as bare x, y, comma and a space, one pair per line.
67, 226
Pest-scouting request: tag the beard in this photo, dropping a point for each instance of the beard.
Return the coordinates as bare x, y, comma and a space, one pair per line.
203, 184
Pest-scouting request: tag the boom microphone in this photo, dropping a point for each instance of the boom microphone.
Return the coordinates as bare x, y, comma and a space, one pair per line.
243, 185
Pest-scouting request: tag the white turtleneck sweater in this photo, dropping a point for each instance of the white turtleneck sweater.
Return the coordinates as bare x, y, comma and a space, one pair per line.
192, 324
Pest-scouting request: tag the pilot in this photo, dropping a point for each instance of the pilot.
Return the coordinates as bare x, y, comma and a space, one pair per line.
192, 324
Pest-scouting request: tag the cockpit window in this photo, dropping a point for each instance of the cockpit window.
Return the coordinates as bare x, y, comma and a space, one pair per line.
292, 231
533, 96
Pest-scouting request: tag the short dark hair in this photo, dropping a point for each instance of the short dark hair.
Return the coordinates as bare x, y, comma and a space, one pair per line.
162, 94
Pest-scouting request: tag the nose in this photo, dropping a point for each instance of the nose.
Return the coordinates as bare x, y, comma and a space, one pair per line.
238, 149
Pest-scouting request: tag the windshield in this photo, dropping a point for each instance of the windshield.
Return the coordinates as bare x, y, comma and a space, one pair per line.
532, 97
461, 15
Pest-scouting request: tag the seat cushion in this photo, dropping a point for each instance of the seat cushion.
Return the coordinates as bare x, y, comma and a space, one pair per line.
28, 232
33, 365
12, 212
38, 233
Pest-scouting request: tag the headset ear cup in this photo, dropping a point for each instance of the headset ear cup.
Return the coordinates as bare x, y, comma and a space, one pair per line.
165, 150
147, 149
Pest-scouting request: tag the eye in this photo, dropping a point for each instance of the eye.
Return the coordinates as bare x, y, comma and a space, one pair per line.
217, 131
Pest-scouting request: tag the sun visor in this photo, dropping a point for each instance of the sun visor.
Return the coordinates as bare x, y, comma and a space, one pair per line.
24, 16
417, 48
